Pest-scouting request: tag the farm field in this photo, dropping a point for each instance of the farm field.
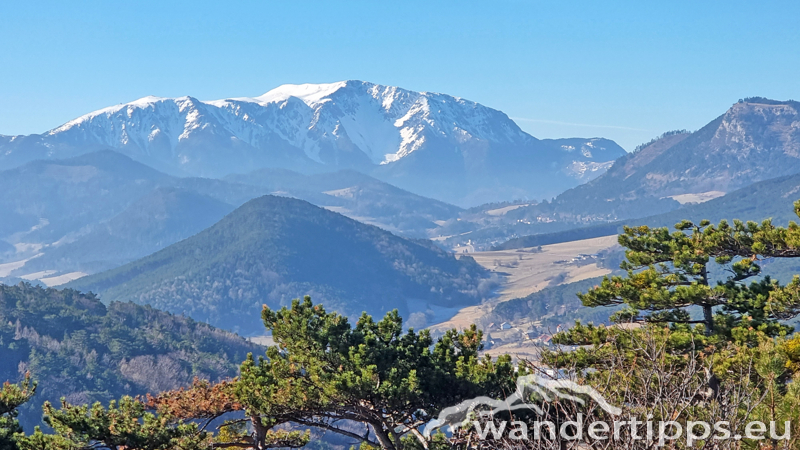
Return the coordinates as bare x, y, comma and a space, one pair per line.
528, 270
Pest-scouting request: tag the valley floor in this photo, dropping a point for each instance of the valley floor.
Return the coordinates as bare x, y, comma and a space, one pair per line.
528, 270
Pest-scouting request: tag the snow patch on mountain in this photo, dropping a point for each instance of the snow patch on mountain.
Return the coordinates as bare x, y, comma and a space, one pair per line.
310, 94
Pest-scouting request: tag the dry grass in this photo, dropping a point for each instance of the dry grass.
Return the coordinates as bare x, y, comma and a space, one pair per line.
526, 351
531, 272
464, 318
525, 273
502, 211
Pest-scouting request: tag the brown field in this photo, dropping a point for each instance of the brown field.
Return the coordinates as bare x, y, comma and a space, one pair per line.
531, 272
526, 351
525, 273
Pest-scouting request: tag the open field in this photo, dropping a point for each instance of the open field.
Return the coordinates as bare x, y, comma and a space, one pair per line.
527, 351
502, 211
697, 198
525, 272
531, 272
464, 318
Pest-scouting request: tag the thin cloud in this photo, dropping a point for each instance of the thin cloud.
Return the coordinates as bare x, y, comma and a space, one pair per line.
587, 125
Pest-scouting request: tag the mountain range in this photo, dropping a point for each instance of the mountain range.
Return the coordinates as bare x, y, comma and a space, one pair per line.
96, 211
99, 210
431, 144
136, 231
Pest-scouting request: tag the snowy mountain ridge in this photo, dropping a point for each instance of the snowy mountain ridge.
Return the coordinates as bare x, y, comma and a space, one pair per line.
384, 122
320, 127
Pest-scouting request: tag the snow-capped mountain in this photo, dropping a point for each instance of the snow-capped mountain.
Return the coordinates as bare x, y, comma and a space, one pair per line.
433, 144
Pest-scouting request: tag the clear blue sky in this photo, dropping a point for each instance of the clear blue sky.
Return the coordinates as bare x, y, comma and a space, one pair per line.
623, 70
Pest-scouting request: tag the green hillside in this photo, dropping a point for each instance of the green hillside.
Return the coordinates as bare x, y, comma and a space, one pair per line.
273, 249
76, 347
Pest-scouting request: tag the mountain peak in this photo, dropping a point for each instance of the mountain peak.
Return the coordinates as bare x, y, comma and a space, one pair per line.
754, 140
310, 94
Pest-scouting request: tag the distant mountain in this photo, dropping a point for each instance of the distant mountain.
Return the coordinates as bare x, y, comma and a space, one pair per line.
43, 201
431, 144
766, 199
102, 209
357, 196
755, 140
99, 210
76, 347
161, 217
274, 249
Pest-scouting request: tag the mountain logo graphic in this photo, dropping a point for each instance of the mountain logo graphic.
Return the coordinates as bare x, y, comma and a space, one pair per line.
456, 416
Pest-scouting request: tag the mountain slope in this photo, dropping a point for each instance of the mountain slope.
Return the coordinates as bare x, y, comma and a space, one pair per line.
274, 249
772, 198
161, 217
401, 136
78, 348
754, 140
44, 200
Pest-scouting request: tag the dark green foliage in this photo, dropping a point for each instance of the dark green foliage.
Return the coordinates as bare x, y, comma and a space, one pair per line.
123, 424
78, 348
12, 396
324, 371
273, 249
669, 273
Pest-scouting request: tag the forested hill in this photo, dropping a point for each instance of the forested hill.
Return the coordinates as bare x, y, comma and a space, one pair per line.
274, 249
76, 347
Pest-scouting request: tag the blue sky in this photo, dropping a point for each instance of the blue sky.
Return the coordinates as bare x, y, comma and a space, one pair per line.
623, 70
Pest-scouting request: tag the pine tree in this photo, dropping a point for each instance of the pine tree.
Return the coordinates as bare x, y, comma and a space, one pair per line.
701, 280
390, 381
705, 267
12, 396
